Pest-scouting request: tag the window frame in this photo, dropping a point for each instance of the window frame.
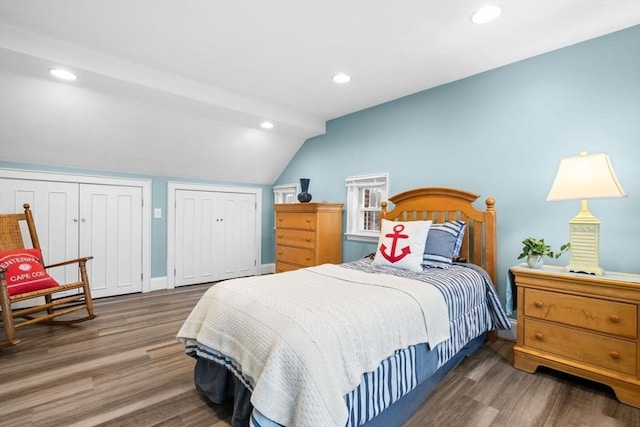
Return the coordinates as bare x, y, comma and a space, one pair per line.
280, 193
355, 204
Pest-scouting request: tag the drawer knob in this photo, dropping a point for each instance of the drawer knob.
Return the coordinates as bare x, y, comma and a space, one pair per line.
279, 236
280, 253
539, 336
539, 304
614, 355
308, 258
614, 318
308, 219
308, 239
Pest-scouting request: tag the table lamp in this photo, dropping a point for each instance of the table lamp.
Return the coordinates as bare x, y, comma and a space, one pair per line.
587, 176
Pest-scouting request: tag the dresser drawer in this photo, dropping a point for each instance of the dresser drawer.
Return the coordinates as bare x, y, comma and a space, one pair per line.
298, 238
590, 348
300, 256
281, 267
590, 313
301, 221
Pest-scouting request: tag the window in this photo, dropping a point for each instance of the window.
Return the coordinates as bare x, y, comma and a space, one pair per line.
364, 195
287, 193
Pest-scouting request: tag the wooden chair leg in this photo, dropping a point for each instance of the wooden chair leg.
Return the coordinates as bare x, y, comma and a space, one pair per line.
87, 288
7, 316
48, 299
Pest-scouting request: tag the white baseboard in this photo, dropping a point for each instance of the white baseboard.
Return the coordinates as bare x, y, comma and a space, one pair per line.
267, 268
161, 283
158, 283
511, 334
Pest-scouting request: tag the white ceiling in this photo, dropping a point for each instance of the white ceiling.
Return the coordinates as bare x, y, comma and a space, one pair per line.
179, 87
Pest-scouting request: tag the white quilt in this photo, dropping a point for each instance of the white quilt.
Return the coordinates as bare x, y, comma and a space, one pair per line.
305, 337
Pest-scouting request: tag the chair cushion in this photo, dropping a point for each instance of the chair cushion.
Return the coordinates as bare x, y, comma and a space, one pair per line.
24, 272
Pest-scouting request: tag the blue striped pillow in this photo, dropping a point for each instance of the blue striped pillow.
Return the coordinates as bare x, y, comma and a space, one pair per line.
443, 244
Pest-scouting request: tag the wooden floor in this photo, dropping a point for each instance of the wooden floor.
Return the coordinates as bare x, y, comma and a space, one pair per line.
126, 368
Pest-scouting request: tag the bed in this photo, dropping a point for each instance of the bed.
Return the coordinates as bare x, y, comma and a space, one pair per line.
360, 343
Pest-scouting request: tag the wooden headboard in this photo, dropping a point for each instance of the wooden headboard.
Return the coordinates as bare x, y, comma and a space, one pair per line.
441, 204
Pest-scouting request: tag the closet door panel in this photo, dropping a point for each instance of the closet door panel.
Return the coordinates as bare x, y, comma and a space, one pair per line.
196, 230
215, 236
111, 232
185, 238
205, 256
55, 211
238, 257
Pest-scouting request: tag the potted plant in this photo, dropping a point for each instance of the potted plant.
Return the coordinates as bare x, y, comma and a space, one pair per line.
535, 249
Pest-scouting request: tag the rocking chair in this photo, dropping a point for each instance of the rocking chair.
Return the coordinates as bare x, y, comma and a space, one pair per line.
23, 277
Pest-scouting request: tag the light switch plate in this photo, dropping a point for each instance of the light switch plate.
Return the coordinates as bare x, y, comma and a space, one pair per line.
157, 213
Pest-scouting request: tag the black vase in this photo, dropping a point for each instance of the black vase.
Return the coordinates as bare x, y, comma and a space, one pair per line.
304, 196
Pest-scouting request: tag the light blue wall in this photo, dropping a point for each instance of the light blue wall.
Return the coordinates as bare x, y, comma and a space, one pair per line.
159, 200
502, 134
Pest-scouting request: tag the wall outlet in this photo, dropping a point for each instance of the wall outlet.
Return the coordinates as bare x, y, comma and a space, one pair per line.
157, 213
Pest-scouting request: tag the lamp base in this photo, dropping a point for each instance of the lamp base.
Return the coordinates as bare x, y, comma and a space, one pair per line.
584, 236
585, 269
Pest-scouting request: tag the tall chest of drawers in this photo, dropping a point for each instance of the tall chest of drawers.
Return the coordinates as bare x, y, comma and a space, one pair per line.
581, 324
307, 234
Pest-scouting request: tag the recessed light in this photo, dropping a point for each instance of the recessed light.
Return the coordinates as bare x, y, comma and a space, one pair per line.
486, 14
342, 78
266, 125
62, 74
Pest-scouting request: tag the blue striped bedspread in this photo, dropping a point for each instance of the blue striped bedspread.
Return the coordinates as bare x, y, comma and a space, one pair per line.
474, 308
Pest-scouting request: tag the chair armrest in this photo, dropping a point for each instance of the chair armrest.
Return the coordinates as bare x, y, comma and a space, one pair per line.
71, 261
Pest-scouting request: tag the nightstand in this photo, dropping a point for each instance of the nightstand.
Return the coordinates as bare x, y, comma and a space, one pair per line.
581, 324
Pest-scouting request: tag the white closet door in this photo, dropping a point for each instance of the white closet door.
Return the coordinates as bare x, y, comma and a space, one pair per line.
196, 234
55, 210
214, 236
238, 256
111, 231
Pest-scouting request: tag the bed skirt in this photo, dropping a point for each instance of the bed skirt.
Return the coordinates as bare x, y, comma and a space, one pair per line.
217, 383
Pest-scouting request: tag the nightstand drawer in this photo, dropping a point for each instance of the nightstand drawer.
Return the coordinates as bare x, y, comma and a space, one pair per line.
591, 313
300, 256
593, 349
299, 238
301, 221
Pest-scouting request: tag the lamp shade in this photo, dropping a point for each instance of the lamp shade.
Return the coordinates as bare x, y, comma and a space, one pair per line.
588, 176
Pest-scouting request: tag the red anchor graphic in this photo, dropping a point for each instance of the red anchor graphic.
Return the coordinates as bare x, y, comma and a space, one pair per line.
395, 236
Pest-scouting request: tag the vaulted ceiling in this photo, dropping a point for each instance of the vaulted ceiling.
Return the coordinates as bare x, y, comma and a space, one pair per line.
180, 87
